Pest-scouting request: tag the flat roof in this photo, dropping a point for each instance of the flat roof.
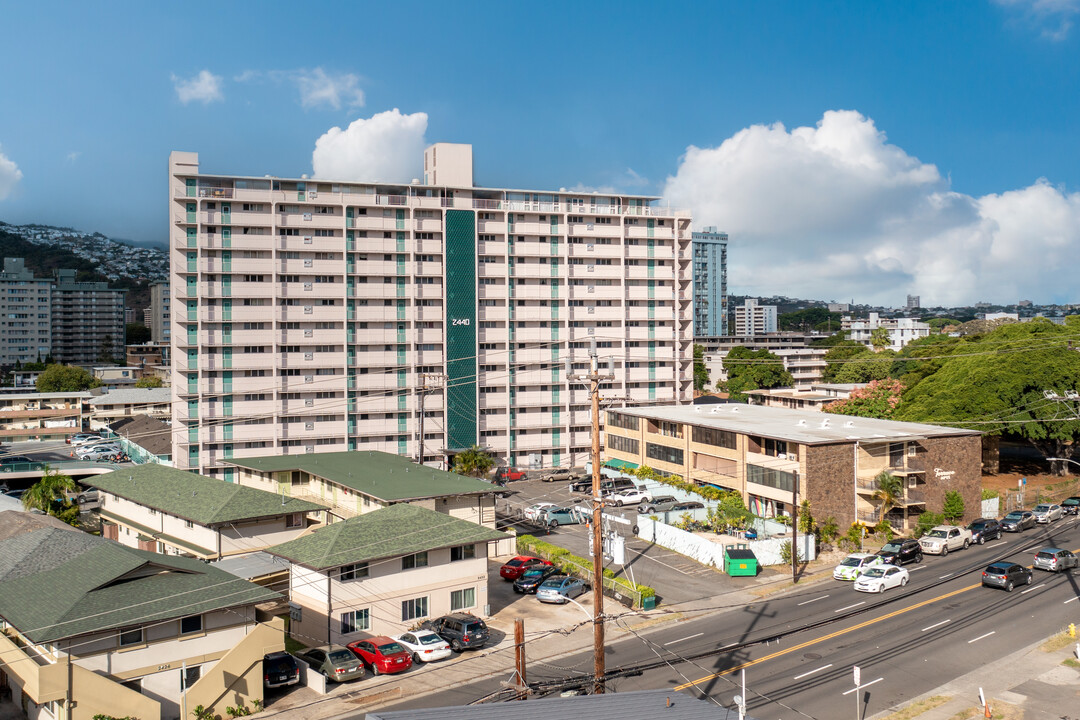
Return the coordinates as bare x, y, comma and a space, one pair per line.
807, 427
47, 396
378, 474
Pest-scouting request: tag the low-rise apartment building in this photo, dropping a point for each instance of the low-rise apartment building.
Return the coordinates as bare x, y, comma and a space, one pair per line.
354, 483
901, 330
775, 456
143, 439
89, 627
814, 397
41, 416
112, 405
175, 512
384, 571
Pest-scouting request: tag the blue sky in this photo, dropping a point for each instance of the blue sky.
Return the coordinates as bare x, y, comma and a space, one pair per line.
601, 95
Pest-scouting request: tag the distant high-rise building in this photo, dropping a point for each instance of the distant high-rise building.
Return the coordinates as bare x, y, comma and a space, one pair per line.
87, 320
839, 307
25, 322
754, 319
310, 314
710, 283
1024, 303
912, 302
159, 313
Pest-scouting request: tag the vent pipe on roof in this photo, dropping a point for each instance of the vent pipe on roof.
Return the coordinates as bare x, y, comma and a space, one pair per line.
801, 423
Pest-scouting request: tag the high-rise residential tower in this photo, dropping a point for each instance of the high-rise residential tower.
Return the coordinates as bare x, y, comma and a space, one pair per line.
160, 313
87, 321
754, 319
25, 307
710, 283
317, 315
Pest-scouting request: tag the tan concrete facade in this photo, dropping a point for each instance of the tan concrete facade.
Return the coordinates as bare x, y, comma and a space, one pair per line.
42, 416
306, 313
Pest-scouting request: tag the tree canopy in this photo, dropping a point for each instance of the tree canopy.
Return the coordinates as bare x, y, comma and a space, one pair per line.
879, 399
474, 462
753, 370
809, 320
701, 372
50, 495
148, 382
853, 362
65, 378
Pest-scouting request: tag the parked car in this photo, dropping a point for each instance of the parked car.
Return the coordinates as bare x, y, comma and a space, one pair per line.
81, 438
1046, 513
553, 517
533, 511
557, 474
516, 567
943, 538
102, 455
901, 551
633, 496
854, 565
1006, 575
1055, 560
607, 485
1071, 505
462, 630
383, 655
508, 474
17, 494
560, 588
533, 578
425, 646
13, 459
1018, 521
96, 449
335, 662
880, 579
660, 503
687, 505
280, 669
983, 529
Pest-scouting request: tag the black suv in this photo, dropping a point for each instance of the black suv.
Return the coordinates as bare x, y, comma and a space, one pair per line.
983, 529
461, 630
1071, 505
280, 669
901, 551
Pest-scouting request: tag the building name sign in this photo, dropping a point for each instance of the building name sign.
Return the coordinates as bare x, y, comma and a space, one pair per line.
944, 474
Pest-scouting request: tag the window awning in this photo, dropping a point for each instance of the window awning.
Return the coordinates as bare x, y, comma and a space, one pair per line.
620, 464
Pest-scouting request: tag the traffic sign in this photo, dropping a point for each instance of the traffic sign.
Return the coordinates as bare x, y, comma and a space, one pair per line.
858, 675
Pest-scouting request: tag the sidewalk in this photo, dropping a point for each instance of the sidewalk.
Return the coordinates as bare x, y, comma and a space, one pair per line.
1031, 683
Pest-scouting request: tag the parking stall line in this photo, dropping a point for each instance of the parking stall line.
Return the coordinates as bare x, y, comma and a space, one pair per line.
851, 606
982, 636
1025, 592
931, 627
807, 674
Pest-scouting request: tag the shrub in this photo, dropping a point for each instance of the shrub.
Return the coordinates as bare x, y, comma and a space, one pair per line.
926, 521
785, 553
954, 506
829, 530
884, 530
571, 564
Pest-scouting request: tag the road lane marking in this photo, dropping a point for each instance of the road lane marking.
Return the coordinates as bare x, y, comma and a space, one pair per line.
688, 637
1069, 601
946, 576
1025, 592
982, 636
814, 600
943, 622
851, 606
997, 544
864, 686
805, 674
921, 567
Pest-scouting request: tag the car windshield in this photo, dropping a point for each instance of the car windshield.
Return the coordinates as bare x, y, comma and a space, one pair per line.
1044, 554
340, 656
936, 534
391, 648
536, 572
474, 626
1071, 501
852, 561
514, 563
1014, 516
429, 639
1042, 508
891, 547
553, 583
874, 573
279, 664
996, 569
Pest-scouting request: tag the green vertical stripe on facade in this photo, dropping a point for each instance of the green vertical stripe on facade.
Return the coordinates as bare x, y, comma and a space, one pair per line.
461, 328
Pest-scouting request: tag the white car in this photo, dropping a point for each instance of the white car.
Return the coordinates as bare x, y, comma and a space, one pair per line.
425, 646
855, 565
87, 449
633, 496
1047, 513
533, 511
880, 578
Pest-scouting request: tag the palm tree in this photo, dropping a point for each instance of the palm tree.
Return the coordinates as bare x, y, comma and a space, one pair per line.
473, 461
50, 493
890, 491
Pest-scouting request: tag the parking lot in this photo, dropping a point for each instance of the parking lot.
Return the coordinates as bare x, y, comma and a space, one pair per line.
676, 578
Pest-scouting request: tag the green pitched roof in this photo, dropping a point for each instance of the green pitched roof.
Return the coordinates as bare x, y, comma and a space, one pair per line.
56, 584
381, 475
200, 499
392, 531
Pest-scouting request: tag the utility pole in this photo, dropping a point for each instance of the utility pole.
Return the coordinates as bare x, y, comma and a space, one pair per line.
593, 378
795, 528
421, 391
519, 657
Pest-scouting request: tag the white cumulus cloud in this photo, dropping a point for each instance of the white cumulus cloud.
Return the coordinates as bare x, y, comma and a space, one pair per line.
317, 87
387, 147
10, 175
204, 87
1052, 18
835, 212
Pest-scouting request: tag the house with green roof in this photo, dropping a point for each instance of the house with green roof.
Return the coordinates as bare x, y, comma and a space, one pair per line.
176, 512
90, 627
357, 482
383, 571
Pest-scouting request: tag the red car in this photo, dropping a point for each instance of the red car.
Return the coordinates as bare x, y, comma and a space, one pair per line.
517, 566
504, 475
383, 655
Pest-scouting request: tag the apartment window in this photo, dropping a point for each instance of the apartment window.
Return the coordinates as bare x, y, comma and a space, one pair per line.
419, 560
664, 453
622, 444
191, 624
462, 599
626, 422
190, 676
462, 552
352, 572
670, 429
131, 637
413, 609
188, 524
355, 620
770, 477
716, 438
294, 520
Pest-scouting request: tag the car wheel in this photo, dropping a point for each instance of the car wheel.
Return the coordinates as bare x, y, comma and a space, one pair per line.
903, 582
618, 503
998, 535
1029, 579
982, 540
375, 670
881, 588
918, 558
1009, 587
553, 524
416, 658
967, 543
455, 646
944, 550
635, 529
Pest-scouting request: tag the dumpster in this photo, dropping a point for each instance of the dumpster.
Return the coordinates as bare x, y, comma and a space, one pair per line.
740, 561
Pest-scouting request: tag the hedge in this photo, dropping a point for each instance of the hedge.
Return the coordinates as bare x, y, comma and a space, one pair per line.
566, 560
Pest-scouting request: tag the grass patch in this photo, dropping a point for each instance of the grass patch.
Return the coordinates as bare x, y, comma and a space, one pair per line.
1057, 642
1001, 710
1071, 662
293, 646
916, 709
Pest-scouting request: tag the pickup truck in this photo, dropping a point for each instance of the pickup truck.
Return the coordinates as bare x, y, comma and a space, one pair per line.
943, 538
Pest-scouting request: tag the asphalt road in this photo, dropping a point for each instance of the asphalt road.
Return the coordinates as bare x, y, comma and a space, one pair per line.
907, 641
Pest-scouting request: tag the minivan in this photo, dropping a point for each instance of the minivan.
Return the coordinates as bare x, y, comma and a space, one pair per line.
607, 485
